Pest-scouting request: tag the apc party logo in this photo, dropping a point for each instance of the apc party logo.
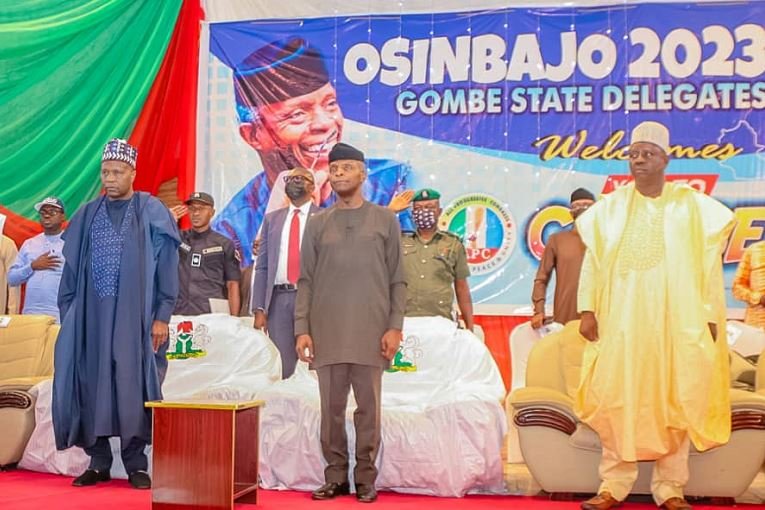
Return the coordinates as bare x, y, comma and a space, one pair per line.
486, 227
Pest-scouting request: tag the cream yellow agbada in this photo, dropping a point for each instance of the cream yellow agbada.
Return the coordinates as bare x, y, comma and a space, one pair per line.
652, 274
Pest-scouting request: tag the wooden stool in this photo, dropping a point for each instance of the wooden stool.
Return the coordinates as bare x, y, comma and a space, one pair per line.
204, 454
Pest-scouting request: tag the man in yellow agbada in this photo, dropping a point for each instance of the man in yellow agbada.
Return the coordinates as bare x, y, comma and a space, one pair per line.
655, 373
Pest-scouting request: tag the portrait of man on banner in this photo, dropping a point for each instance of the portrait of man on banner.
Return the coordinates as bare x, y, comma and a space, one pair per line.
288, 111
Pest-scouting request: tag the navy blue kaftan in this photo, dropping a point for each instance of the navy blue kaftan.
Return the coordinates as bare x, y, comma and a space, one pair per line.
120, 275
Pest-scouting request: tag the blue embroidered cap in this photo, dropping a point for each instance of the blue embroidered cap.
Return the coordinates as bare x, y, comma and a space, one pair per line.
276, 72
120, 150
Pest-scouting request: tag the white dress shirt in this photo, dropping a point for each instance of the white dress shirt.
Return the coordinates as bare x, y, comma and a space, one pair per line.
281, 266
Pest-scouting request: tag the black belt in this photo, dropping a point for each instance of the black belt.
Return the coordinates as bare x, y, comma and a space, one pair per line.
285, 286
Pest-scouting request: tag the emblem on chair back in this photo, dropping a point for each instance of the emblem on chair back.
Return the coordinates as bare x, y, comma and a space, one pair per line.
188, 340
407, 354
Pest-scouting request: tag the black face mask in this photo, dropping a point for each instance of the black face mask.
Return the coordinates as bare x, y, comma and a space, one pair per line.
295, 190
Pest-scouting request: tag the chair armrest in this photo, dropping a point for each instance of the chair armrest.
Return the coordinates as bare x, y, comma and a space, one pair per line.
22, 383
742, 398
543, 407
15, 399
523, 397
747, 410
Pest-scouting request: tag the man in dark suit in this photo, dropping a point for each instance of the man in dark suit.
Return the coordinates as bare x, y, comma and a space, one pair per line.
278, 266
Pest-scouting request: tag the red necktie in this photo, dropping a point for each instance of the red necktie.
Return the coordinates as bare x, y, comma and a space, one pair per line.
293, 249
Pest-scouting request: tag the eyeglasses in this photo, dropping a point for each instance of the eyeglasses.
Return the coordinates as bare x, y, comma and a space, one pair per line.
296, 178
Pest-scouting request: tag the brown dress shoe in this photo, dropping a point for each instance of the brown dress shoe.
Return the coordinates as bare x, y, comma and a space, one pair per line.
676, 504
602, 501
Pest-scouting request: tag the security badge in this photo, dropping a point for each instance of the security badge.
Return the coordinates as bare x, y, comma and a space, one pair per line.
196, 258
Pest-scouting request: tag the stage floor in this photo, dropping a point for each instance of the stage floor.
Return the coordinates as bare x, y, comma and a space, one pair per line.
25, 490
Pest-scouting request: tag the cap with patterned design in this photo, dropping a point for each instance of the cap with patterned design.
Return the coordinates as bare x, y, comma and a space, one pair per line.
118, 149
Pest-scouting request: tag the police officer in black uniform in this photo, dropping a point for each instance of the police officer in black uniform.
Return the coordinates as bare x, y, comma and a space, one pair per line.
209, 264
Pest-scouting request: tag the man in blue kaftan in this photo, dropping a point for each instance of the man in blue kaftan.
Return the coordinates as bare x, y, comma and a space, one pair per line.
117, 293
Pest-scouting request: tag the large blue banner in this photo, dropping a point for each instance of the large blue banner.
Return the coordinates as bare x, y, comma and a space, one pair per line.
505, 112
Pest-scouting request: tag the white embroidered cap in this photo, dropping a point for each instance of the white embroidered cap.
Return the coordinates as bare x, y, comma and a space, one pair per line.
651, 132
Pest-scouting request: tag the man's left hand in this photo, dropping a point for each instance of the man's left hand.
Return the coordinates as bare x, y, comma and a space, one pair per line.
391, 341
713, 330
159, 334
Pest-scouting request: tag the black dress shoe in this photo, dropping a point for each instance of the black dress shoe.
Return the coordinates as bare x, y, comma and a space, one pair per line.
91, 477
331, 490
139, 480
366, 493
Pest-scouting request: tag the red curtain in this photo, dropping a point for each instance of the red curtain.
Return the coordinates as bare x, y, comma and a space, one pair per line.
165, 132
18, 227
496, 330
